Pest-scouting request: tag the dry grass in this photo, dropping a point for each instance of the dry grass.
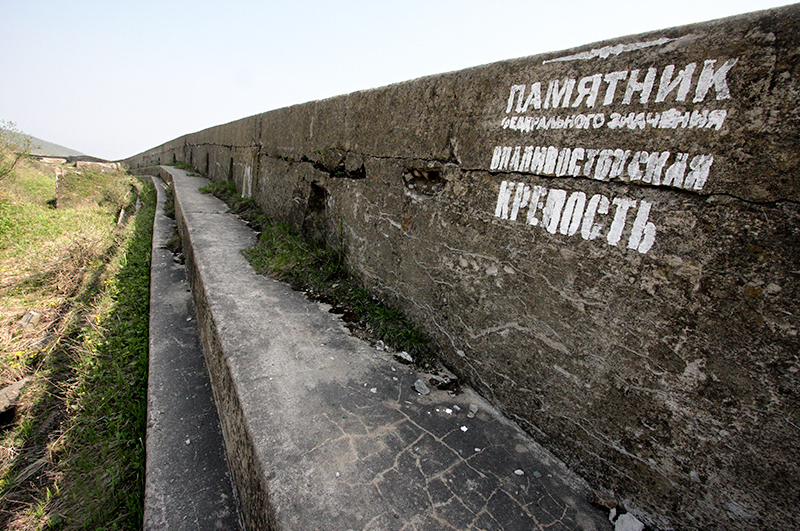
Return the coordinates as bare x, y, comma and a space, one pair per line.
63, 463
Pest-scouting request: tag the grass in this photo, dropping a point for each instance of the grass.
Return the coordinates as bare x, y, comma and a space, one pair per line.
72, 456
245, 208
183, 166
192, 171
321, 271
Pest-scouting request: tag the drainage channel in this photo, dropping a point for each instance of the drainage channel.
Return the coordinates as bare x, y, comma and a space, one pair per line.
187, 485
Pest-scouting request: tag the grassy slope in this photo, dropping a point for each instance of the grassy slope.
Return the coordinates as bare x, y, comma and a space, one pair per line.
73, 455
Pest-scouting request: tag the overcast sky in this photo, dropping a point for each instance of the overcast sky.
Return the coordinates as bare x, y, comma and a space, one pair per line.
112, 78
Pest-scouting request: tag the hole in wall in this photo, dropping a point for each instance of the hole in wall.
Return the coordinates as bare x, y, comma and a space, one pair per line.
314, 219
316, 198
339, 164
207, 164
428, 181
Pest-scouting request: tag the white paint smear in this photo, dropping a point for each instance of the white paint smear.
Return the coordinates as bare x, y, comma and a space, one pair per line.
607, 51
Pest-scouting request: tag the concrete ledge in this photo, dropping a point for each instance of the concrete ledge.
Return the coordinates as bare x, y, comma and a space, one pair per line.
325, 432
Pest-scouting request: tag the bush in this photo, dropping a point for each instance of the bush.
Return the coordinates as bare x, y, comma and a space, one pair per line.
14, 147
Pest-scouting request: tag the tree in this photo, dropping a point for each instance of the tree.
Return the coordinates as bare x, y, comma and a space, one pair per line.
14, 147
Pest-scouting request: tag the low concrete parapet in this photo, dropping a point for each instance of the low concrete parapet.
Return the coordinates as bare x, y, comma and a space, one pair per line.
605, 241
325, 432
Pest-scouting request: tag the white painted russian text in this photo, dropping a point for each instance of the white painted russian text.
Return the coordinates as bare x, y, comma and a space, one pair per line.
558, 211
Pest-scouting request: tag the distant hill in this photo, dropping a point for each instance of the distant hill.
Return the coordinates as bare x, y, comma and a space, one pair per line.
44, 148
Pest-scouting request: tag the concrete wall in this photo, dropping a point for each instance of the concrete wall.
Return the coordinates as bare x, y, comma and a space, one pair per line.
604, 241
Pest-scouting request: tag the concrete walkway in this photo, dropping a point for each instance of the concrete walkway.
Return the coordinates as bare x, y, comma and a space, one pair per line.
325, 432
187, 484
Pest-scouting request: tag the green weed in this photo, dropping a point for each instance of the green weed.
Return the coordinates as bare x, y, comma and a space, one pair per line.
169, 201
73, 458
183, 166
245, 208
321, 270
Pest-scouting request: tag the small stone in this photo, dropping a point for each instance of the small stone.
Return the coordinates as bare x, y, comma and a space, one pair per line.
537, 474
519, 472
405, 356
421, 388
188, 441
373, 390
739, 511
9, 395
601, 500
628, 522
445, 384
473, 410
380, 346
464, 429
30, 320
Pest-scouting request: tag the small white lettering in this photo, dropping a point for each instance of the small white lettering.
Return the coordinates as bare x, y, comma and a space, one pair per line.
590, 93
718, 79
612, 79
620, 217
669, 119
682, 82
645, 87
559, 97
598, 204
640, 167
520, 200
552, 210
643, 233
501, 210
535, 204
573, 214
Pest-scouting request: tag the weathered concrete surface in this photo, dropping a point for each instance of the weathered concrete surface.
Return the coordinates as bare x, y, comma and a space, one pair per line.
604, 241
187, 484
324, 432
